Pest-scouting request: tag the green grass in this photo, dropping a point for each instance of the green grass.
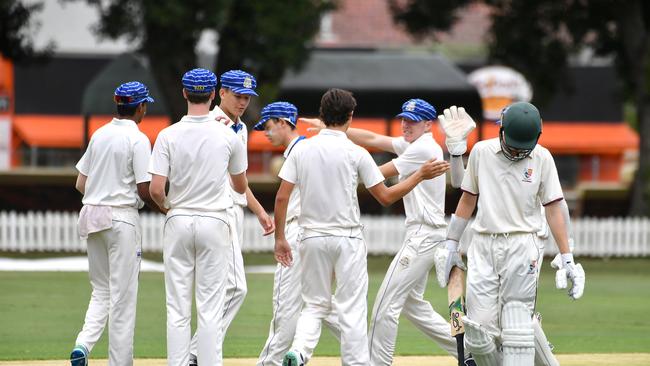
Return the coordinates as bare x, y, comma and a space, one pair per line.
41, 313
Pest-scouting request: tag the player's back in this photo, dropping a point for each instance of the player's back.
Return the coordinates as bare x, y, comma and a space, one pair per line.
109, 165
328, 169
200, 151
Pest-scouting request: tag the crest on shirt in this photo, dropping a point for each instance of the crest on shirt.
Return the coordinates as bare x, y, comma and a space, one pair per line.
404, 261
528, 175
532, 268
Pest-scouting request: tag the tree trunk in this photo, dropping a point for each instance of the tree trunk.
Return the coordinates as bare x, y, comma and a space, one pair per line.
632, 24
641, 185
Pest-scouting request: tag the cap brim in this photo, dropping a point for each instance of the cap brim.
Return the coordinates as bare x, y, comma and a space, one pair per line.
259, 126
411, 116
244, 91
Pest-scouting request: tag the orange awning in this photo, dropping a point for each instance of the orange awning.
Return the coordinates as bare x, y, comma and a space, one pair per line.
67, 131
562, 137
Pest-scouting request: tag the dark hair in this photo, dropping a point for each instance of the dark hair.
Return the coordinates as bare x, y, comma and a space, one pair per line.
277, 120
127, 110
336, 107
197, 98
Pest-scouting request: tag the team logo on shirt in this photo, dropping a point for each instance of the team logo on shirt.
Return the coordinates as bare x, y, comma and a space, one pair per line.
405, 261
532, 268
528, 175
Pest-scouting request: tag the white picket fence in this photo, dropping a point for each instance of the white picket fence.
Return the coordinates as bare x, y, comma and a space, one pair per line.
57, 231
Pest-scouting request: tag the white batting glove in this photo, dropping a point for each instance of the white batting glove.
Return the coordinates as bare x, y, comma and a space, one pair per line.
456, 124
569, 270
446, 256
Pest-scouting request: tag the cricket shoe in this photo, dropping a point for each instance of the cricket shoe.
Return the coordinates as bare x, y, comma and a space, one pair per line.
293, 358
193, 360
79, 356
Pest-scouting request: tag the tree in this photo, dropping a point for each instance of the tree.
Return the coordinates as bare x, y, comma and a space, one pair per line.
538, 37
265, 37
15, 25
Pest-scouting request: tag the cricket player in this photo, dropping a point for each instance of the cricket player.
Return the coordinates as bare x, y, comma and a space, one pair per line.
114, 182
326, 169
509, 177
279, 125
201, 159
237, 89
402, 291
457, 124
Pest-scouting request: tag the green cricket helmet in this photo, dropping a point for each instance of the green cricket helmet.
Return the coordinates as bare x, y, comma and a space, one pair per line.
521, 126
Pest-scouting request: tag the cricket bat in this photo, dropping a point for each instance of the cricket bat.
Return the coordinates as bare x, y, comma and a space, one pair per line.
456, 300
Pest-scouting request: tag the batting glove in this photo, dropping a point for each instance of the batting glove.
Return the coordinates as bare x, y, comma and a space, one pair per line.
446, 256
569, 270
456, 124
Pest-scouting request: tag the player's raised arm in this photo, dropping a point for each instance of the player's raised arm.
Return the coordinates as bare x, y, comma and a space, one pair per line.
358, 136
457, 125
386, 196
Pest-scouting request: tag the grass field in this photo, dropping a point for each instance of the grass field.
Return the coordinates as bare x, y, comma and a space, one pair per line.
41, 313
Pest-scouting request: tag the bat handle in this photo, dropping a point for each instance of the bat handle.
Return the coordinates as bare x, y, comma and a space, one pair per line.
460, 347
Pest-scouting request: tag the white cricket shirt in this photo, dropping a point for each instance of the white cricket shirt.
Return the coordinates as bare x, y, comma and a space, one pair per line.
327, 169
196, 154
510, 193
425, 204
115, 161
293, 210
242, 133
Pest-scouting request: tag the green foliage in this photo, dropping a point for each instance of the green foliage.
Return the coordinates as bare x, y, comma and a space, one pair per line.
42, 313
16, 26
262, 37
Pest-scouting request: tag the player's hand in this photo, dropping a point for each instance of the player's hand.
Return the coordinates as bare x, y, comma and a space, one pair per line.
283, 252
220, 117
433, 168
445, 257
267, 223
569, 270
457, 125
315, 123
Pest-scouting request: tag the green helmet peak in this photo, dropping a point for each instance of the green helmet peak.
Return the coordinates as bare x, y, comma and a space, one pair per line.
521, 126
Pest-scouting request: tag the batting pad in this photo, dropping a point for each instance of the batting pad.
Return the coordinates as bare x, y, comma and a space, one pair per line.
480, 344
543, 354
517, 335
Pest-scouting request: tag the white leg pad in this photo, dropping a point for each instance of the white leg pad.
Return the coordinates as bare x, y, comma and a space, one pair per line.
517, 335
480, 344
543, 354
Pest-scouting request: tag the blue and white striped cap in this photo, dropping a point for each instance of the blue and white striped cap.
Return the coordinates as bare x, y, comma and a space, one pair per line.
240, 82
199, 81
132, 93
418, 110
277, 110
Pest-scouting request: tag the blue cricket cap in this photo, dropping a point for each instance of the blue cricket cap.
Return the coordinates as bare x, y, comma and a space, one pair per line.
199, 81
418, 110
132, 93
277, 110
240, 82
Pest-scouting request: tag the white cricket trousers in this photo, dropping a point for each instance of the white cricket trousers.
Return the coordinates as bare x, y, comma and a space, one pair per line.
287, 302
195, 252
114, 257
402, 292
323, 259
236, 287
500, 269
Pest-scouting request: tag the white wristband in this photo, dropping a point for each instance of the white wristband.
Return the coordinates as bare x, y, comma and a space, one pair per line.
456, 227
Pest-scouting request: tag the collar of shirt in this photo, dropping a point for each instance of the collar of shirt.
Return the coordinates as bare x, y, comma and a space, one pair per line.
196, 119
124, 122
292, 144
330, 132
496, 148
